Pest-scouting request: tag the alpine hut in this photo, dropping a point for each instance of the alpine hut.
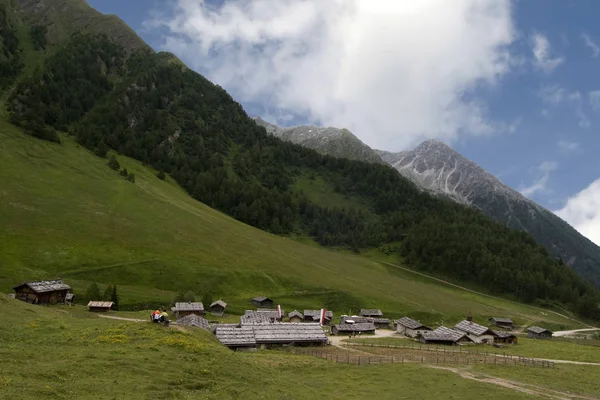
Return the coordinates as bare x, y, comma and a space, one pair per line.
315, 315
505, 323
410, 328
361, 327
193, 320
42, 292
477, 333
187, 308
444, 335
218, 308
234, 336
295, 316
262, 302
505, 337
535, 332
100, 306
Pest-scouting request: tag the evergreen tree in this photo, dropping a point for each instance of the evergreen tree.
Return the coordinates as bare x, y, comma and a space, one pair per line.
107, 293
114, 297
113, 163
131, 177
161, 175
93, 292
123, 172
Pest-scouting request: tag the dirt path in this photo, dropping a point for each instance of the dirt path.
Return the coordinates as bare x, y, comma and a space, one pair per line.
480, 293
514, 385
122, 318
567, 333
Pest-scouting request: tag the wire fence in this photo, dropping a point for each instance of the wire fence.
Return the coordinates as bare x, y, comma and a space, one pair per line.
401, 355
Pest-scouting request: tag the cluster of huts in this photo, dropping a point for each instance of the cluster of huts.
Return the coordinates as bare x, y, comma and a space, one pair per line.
265, 326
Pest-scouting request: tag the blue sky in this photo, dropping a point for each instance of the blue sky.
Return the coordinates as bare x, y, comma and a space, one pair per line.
510, 85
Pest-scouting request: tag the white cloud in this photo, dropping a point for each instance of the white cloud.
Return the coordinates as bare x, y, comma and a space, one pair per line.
591, 44
582, 118
540, 47
582, 211
393, 72
594, 97
567, 146
540, 183
554, 95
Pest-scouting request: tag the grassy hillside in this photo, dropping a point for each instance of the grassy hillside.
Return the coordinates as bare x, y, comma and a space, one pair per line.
56, 353
66, 214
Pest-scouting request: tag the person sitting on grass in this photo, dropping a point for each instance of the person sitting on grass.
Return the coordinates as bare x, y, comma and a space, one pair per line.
156, 316
164, 317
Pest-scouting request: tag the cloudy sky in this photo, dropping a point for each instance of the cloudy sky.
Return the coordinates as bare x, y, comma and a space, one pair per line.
512, 85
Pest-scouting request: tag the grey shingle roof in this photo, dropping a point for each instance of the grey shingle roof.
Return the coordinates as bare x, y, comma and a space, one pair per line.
188, 306
502, 320
355, 319
410, 323
219, 303
45, 286
232, 335
295, 313
100, 304
261, 298
443, 331
359, 327
289, 333
472, 328
370, 313
537, 329
503, 335
258, 317
317, 314
380, 320
193, 320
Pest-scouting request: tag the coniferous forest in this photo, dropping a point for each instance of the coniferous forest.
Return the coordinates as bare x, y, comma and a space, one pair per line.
151, 107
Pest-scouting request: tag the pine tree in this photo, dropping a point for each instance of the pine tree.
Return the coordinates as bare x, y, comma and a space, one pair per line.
161, 175
124, 172
113, 163
114, 297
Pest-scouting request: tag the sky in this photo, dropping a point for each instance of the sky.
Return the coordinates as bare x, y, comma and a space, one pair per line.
512, 85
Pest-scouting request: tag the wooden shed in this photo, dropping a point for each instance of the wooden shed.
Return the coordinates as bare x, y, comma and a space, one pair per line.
444, 336
477, 333
410, 328
505, 323
535, 332
187, 308
100, 306
260, 316
370, 313
363, 327
262, 302
42, 292
218, 308
505, 337
380, 323
315, 315
295, 316
193, 320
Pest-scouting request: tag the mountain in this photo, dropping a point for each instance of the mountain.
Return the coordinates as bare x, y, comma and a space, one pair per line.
441, 170
115, 98
333, 141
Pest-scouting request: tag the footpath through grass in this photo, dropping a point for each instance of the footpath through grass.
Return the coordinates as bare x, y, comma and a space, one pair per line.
69, 353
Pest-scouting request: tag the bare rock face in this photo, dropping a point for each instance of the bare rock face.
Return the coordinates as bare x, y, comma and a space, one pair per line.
439, 169
333, 141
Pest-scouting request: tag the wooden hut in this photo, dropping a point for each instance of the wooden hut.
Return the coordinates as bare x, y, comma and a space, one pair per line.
370, 313
505, 323
535, 332
100, 306
505, 337
234, 336
42, 292
477, 333
218, 308
363, 327
260, 316
315, 315
262, 302
193, 320
380, 323
444, 336
410, 328
295, 316
289, 333
187, 308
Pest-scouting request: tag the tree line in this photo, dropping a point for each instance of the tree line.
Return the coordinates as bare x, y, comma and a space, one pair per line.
155, 110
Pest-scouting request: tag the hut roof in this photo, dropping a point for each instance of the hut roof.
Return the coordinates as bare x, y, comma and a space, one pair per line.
295, 313
502, 320
257, 317
360, 327
356, 319
370, 313
380, 320
218, 303
260, 299
288, 333
189, 306
317, 314
473, 328
504, 335
443, 331
193, 320
45, 286
100, 304
537, 329
233, 335
410, 323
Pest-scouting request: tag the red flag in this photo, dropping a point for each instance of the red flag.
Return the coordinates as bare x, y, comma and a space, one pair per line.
322, 319
278, 311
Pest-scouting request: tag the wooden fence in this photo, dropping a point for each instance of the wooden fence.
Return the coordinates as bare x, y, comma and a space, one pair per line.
387, 356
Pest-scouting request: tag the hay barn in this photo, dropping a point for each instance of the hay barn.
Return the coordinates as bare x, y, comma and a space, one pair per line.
42, 292
100, 306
